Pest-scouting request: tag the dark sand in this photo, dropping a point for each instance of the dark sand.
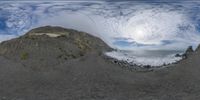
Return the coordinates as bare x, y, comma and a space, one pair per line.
91, 77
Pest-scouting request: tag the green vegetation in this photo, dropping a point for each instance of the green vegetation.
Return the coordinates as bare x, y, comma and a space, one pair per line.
24, 56
82, 44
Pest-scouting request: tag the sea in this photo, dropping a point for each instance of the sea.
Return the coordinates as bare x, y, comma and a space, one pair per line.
154, 58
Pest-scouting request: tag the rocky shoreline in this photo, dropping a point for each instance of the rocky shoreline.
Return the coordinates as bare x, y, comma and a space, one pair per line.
132, 66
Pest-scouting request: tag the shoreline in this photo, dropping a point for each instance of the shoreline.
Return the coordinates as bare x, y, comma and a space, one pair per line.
134, 67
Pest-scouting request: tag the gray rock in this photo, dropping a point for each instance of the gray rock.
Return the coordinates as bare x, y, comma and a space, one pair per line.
178, 55
198, 48
188, 52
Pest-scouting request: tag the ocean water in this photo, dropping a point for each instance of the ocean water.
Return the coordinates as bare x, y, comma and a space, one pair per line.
146, 57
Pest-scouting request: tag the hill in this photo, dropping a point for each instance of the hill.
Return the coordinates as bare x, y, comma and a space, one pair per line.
50, 46
71, 66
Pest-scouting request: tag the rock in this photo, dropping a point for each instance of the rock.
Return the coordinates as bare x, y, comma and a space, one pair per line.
189, 49
198, 48
147, 66
188, 52
178, 55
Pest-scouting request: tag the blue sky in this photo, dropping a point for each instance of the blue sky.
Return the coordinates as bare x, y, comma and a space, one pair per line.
129, 24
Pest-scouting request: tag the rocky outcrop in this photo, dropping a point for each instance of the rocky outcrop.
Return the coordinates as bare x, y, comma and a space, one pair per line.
198, 48
189, 51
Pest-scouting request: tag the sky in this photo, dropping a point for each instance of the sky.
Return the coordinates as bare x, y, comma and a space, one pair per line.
126, 25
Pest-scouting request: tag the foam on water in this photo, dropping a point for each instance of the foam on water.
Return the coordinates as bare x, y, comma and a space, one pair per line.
142, 58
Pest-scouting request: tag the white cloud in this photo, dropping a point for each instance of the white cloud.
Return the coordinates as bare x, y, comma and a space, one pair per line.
153, 26
6, 37
144, 23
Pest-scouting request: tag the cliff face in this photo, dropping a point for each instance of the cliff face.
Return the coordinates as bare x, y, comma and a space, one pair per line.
49, 46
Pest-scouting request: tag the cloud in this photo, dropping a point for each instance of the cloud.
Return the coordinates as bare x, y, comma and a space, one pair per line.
153, 26
146, 25
6, 37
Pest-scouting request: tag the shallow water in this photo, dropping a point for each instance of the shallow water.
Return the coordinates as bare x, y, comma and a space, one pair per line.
147, 57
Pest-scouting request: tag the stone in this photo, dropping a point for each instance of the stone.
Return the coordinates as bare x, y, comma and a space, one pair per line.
188, 52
